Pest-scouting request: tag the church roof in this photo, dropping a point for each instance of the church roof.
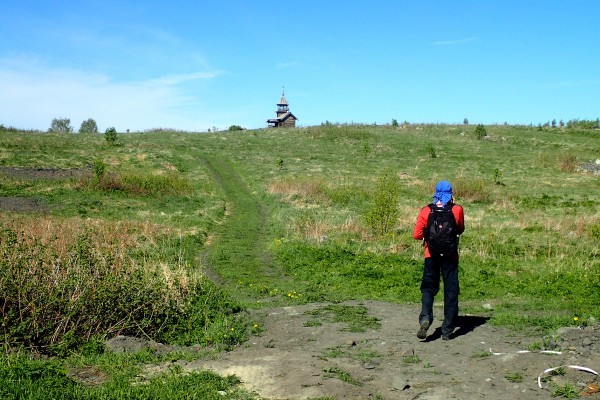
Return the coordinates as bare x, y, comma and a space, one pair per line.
282, 117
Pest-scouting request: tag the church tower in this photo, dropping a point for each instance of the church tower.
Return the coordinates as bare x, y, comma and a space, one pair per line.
282, 106
284, 117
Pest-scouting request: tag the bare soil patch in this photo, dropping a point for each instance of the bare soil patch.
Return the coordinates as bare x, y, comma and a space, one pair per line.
296, 359
30, 204
22, 204
45, 173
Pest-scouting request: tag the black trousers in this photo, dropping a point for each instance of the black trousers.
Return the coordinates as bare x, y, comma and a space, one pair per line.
430, 286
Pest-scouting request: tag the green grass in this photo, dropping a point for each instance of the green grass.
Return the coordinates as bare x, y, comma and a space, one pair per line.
354, 318
344, 376
278, 216
26, 378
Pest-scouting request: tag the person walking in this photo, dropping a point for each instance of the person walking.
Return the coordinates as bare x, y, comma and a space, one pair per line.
439, 225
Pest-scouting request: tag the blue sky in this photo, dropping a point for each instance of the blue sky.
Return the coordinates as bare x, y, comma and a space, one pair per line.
195, 65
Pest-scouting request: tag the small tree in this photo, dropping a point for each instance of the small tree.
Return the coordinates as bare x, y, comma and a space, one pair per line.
394, 123
88, 126
61, 125
384, 211
99, 169
480, 131
110, 135
465, 121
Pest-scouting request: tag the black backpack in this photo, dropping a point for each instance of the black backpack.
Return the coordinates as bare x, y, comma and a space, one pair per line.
441, 233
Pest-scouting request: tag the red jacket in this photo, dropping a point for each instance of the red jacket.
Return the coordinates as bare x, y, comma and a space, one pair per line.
422, 223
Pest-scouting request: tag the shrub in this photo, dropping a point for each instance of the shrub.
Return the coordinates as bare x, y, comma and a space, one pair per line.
480, 131
110, 135
394, 123
383, 212
88, 126
99, 169
568, 162
431, 151
235, 128
58, 291
61, 125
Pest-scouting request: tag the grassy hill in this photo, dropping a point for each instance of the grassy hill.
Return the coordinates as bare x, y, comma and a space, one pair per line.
172, 235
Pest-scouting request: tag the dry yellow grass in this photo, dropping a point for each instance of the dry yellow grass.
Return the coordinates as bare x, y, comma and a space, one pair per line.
306, 188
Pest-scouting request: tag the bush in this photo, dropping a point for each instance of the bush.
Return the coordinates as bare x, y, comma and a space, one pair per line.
383, 212
480, 131
236, 128
110, 135
431, 151
61, 125
88, 126
60, 291
99, 169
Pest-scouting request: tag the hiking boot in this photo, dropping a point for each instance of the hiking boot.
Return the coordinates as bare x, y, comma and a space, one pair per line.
422, 334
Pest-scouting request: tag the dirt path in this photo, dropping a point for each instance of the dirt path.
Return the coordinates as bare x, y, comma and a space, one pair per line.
295, 358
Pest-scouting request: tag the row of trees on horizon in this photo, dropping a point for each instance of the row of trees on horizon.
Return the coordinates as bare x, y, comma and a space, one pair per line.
63, 125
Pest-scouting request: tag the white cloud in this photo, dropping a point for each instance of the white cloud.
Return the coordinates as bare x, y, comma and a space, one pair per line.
454, 42
33, 95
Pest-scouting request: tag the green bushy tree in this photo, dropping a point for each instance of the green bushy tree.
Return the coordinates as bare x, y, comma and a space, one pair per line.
61, 125
110, 135
88, 126
383, 212
480, 131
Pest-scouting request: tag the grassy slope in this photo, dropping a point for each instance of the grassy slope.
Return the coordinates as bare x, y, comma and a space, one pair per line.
529, 243
529, 248
280, 211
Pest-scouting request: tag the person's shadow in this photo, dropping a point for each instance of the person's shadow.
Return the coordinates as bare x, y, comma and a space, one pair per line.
465, 324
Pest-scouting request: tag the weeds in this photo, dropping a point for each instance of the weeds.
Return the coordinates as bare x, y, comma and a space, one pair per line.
355, 317
140, 184
83, 284
431, 151
411, 359
481, 354
515, 377
566, 391
338, 373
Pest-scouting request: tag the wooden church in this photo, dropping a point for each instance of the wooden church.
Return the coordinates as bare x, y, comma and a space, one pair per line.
285, 118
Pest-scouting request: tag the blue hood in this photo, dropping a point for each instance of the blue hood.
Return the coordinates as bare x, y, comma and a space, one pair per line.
443, 192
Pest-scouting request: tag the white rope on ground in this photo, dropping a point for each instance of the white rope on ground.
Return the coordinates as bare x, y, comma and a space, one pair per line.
527, 351
567, 366
577, 367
